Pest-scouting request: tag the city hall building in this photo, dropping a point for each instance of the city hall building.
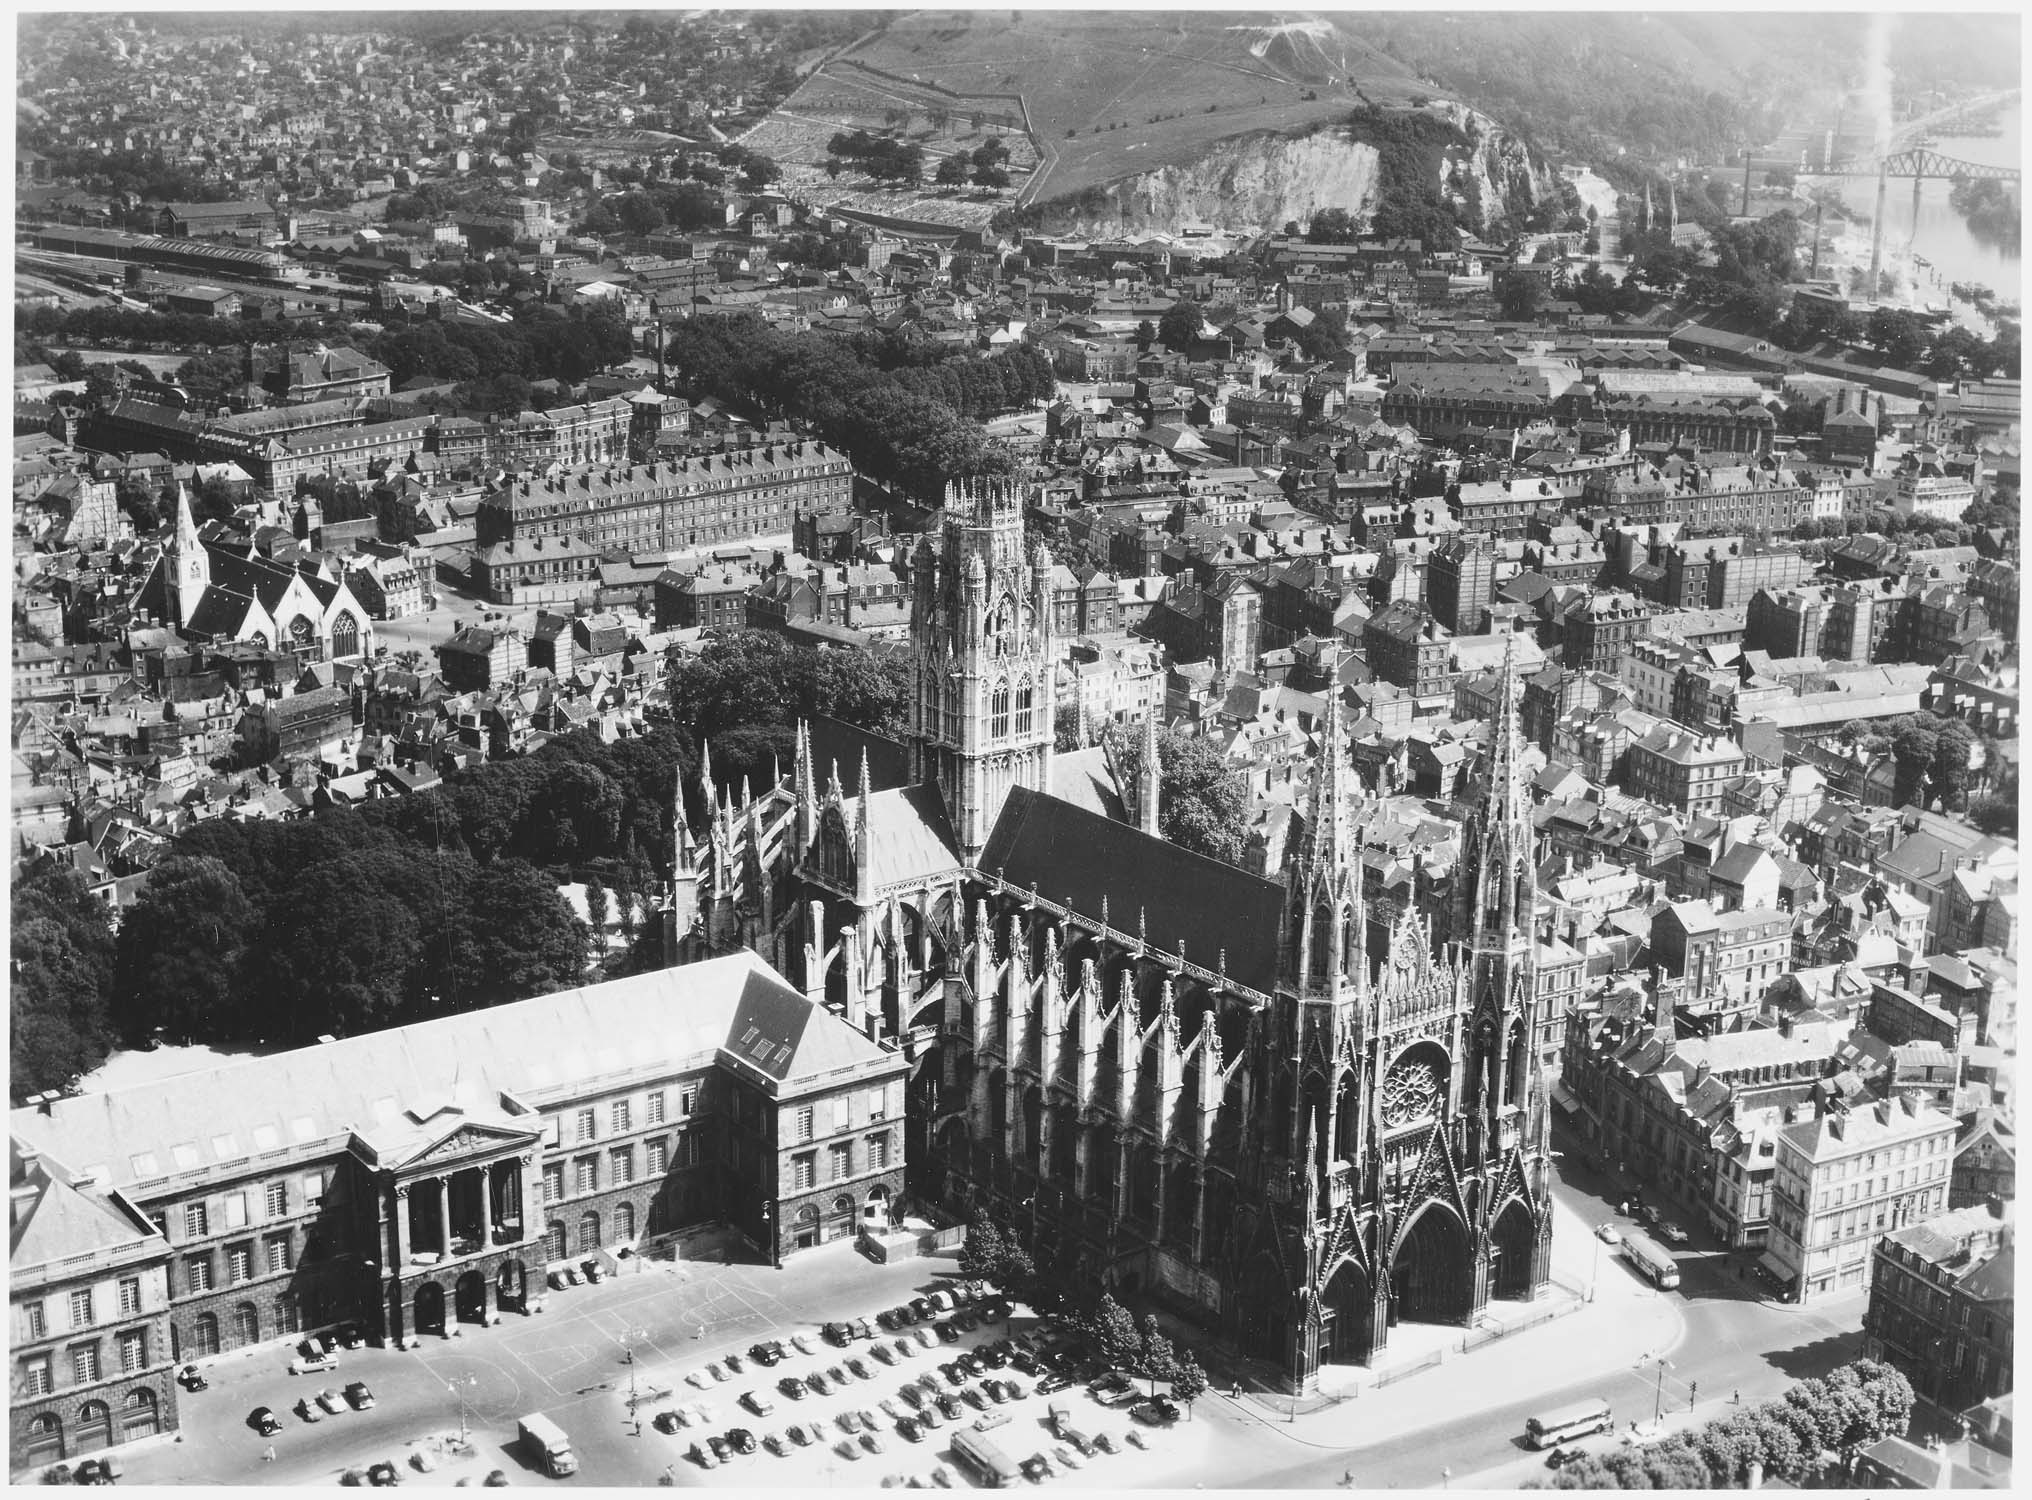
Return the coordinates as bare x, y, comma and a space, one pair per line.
409, 1179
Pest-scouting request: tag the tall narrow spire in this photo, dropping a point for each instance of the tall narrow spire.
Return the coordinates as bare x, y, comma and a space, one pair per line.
707, 794
1326, 834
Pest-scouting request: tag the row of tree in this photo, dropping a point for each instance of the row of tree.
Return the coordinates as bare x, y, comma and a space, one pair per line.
907, 422
1793, 1438
1097, 1321
986, 166
881, 157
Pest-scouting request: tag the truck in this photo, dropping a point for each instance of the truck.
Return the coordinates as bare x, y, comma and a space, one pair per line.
547, 1447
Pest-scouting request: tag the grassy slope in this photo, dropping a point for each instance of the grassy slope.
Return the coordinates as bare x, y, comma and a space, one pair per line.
1077, 70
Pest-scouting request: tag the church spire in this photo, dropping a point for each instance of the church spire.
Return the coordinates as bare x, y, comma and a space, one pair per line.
1505, 883
1326, 831
1148, 783
188, 568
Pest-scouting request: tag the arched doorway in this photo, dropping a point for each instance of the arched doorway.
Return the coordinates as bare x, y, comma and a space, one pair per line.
844, 1214
876, 1208
1510, 1245
95, 1426
624, 1223
469, 1297
246, 1324
804, 1228
554, 1247
589, 1230
139, 1415
204, 1335
45, 1439
511, 1284
429, 1309
1344, 1316
1432, 1277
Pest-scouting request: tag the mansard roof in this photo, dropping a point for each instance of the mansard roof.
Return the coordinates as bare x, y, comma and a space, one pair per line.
1187, 901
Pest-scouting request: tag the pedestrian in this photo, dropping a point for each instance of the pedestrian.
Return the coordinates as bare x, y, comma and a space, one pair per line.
1736, 1398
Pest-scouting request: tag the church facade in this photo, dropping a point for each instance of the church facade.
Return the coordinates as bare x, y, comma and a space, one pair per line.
1166, 1074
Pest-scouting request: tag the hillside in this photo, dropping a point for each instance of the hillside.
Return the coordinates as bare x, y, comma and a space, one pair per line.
1103, 94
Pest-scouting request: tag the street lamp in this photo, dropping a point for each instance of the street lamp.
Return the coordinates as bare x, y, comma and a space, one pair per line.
458, 1385
769, 1238
628, 1341
1658, 1405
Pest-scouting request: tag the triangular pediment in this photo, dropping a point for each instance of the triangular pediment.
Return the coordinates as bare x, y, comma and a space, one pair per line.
449, 1137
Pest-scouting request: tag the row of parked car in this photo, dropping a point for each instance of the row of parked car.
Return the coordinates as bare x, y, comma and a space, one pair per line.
315, 1408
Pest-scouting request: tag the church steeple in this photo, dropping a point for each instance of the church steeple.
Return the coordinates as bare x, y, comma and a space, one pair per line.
188, 567
1505, 887
1148, 782
1321, 959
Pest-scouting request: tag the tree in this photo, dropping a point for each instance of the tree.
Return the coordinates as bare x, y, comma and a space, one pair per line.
1179, 327
179, 947
1157, 1359
1115, 1336
1202, 804
1146, 334
62, 950
1188, 1381
1950, 765
982, 1251
1912, 755
524, 938
1330, 226
952, 170
1899, 336
639, 213
575, 816
1995, 815
1520, 298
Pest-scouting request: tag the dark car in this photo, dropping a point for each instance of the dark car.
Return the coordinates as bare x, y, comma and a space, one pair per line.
768, 1354
994, 1357
923, 1308
973, 1398
1105, 1443
97, 1471
720, 1446
733, 1362
996, 1310
998, 1391
1026, 1362
872, 1443
971, 1362
858, 1368
883, 1354
792, 1387
264, 1421
911, 1428
1054, 1383
1156, 1412
741, 1440
954, 1374
904, 1314
886, 1320
384, 1475
839, 1334
949, 1331
191, 1378
1037, 1468
820, 1386
359, 1396
913, 1395
931, 1418
968, 1320
950, 1407
1559, 1458
665, 1421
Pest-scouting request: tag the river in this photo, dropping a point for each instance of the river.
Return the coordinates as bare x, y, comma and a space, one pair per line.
1943, 236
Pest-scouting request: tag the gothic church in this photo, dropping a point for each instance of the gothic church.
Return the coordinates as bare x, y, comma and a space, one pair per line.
1166, 1074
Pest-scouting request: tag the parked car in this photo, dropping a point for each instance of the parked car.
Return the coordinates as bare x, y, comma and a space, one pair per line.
911, 1394
775, 1445
858, 1368
873, 1443
264, 1421
1608, 1234
191, 1378
837, 1334
931, 1418
1560, 1457
862, 1328
802, 1343
741, 1440
1053, 1383
720, 1447
949, 1406
968, 1320
942, 1477
846, 1449
849, 1420
98, 1471
1113, 1389
1674, 1235
891, 1408
1037, 1468
703, 1456
923, 1308
799, 1434
911, 1429
308, 1410
595, 1272
360, 1397
1026, 1362
820, 1385
971, 1362
384, 1475
1104, 1442
1065, 1458
883, 1353
1158, 1411
792, 1387
997, 1391
973, 1398
926, 1335
331, 1401
311, 1358
667, 1421
757, 1403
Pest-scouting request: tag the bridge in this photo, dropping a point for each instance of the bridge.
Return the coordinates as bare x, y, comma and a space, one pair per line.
1916, 162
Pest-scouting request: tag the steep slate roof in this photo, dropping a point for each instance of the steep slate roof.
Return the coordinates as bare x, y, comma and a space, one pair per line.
62, 1221
1077, 857
694, 1015
909, 836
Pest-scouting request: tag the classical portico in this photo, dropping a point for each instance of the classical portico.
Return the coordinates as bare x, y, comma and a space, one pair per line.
451, 1189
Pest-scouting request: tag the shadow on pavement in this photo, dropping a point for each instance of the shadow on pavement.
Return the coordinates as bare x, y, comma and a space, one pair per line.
1802, 1361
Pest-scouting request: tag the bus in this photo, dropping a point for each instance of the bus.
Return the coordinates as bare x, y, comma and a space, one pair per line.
1650, 1260
983, 1457
1578, 1420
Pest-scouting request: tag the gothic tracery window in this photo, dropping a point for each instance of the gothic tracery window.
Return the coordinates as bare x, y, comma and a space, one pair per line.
1412, 1090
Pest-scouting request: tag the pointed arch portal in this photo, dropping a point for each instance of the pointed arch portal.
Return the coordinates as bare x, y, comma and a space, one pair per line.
1432, 1275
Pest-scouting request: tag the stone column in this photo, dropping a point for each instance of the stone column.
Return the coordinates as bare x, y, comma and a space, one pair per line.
444, 1213
401, 1227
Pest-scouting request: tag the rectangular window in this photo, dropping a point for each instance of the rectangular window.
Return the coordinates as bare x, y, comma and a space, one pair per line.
621, 1115
81, 1308
588, 1174
84, 1364
236, 1210
622, 1159
35, 1319
278, 1252
878, 1151
586, 1125
277, 1203
553, 1182
803, 1172
196, 1222
313, 1190
842, 1155
804, 1122
133, 1351
198, 1272
653, 1108
657, 1156
130, 1296
239, 1264
35, 1376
